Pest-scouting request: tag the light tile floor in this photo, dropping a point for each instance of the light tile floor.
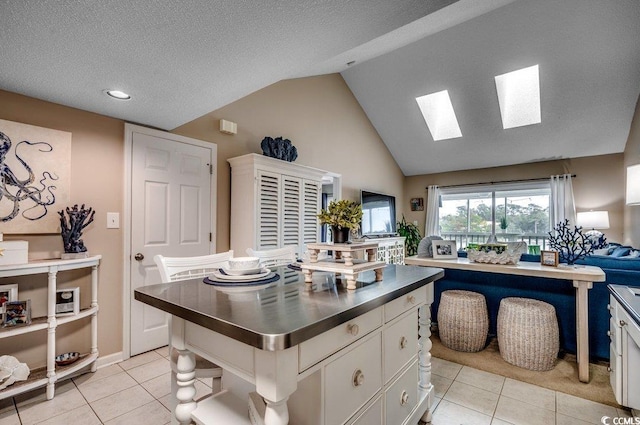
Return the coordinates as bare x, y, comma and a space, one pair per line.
136, 391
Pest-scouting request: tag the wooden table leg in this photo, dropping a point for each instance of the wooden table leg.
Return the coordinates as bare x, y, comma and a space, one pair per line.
185, 389
276, 379
351, 281
378, 274
371, 254
313, 255
348, 259
582, 327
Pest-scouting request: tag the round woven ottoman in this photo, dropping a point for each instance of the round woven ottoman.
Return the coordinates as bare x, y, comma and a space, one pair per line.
528, 334
463, 321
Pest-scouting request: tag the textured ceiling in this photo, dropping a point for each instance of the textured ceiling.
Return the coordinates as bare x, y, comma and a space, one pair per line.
589, 58
182, 60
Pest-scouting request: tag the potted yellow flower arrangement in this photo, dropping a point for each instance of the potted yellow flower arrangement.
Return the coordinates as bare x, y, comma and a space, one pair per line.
343, 216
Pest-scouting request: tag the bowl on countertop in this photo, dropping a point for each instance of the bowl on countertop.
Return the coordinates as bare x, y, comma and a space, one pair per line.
244, 263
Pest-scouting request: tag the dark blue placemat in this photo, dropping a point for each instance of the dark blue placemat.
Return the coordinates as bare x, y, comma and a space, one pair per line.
217, 282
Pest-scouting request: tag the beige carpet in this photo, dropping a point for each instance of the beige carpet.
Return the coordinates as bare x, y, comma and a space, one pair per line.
563, 377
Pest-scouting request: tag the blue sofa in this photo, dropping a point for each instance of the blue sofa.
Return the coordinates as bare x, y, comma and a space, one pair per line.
559, 293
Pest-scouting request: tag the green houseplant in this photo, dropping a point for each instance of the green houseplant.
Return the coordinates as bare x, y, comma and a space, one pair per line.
343, 216
412, 236
503, 223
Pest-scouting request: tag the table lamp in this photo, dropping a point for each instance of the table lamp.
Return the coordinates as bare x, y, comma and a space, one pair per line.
594, 220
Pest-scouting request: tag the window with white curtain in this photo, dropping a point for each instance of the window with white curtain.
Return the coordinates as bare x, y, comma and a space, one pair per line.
511, 211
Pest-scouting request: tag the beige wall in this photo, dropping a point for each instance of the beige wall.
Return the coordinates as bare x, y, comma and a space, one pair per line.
97, 181
599, 185
321, 118
632, 157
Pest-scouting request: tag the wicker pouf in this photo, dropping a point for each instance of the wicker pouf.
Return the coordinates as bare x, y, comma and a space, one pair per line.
528, 334
463, 321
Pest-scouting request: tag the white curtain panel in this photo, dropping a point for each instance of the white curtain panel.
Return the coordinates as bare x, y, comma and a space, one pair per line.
431, 227
562, 203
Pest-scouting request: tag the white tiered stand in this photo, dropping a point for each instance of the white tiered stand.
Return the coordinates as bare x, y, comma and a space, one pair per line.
51, 322
350, 267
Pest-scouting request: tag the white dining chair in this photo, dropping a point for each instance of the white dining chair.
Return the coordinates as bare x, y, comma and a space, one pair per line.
174, 269
275, 257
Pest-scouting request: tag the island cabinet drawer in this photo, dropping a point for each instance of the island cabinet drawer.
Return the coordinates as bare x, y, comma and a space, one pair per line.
401, 398
615, 333
400, 343
322, 346
404, 303
352, 380
372, 415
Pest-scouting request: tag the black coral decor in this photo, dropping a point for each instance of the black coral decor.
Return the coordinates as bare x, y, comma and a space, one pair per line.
79, 218
571, 244
279, 148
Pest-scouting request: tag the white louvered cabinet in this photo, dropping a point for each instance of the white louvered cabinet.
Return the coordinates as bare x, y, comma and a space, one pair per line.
274, 203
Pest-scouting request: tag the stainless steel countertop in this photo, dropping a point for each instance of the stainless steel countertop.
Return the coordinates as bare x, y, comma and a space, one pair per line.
284, 314
629, 300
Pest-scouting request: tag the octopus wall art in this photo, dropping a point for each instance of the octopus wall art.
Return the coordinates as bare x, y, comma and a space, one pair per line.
34, 177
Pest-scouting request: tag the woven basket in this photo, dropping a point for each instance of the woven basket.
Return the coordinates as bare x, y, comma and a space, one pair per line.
528, 334
463, 321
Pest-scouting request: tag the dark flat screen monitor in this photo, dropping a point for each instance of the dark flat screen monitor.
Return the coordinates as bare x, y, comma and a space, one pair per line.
378, 214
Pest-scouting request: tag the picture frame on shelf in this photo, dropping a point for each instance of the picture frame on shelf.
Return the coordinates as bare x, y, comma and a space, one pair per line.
16, 313
8, 293
67, 301
549, 258
444, 250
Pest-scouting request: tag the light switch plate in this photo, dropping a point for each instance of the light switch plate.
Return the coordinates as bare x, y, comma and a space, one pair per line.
113, 220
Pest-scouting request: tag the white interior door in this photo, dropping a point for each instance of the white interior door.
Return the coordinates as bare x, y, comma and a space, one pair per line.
171, 214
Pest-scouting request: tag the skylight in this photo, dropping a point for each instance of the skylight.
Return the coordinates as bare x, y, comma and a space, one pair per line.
519, 97
439, 115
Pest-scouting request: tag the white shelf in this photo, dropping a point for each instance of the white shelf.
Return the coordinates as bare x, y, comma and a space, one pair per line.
51, 374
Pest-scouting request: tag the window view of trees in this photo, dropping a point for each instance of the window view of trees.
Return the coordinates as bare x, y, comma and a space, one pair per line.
519, 215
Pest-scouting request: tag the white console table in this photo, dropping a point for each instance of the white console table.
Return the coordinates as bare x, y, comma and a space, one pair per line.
582, 277
52, 373
322, 356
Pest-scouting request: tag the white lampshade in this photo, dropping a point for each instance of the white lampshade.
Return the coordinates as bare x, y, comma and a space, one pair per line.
633, 185
593, 219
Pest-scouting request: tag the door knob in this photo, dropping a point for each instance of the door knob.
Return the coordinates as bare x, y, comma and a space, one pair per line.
139, 257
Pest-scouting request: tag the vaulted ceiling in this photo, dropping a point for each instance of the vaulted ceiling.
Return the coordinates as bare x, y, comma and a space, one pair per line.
180, 61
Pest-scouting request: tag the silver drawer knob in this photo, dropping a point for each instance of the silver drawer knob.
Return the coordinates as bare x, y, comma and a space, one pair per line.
608, 333
403, 342
608, 306
353, 329
404, 398
358, 378
623, 323
411, 299
609, 369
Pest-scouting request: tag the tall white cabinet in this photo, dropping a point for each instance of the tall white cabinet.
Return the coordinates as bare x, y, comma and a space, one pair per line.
274, 203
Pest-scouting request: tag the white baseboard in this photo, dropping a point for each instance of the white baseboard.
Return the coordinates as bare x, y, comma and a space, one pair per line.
110, 359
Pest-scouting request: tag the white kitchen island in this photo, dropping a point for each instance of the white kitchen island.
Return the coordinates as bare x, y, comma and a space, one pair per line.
322, 355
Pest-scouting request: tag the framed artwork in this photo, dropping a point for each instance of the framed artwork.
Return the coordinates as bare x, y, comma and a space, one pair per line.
67, 301
16, 313
37, 161
417, 204
549, 258
8, 293
444, 250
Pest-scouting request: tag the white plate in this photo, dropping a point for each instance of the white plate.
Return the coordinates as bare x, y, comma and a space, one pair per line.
220, 275
242, 271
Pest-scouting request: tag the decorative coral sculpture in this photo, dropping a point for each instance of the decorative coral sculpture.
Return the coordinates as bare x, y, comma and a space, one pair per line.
571, 244
79, 218
279, 148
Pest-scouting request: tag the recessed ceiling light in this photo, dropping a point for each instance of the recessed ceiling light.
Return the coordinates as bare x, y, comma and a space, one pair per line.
117, 94
439, 115
519, 97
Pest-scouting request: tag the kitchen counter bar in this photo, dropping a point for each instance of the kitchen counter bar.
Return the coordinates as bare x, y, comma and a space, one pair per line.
284, 314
